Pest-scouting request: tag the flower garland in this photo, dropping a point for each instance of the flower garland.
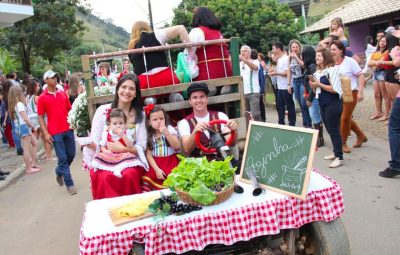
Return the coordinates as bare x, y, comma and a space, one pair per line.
78, 116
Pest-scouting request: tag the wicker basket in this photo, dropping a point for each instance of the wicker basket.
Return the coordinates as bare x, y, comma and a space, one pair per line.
221, 196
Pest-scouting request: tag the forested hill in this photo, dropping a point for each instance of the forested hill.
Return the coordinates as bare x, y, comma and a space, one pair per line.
103, 34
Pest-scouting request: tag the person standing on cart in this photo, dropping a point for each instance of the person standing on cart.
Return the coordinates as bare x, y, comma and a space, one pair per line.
198, 121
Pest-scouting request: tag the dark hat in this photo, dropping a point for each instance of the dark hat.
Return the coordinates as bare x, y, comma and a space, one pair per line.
197, 86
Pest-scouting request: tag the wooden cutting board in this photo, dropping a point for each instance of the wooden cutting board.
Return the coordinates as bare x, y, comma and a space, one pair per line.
118, 220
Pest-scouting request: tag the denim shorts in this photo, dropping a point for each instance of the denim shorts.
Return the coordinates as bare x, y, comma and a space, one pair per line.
22, 130
379, 75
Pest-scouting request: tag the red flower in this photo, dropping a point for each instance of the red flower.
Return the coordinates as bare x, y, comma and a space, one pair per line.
107, 113
147, 109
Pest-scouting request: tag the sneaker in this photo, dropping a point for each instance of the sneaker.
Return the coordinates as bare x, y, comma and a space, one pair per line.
20, 152
389, 173
336, 163
60, 180
330, 157
72, 190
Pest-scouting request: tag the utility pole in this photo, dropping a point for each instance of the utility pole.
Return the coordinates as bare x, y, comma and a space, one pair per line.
150, 15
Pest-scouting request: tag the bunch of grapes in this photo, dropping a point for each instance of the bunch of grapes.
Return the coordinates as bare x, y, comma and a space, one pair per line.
171, 205
184, 208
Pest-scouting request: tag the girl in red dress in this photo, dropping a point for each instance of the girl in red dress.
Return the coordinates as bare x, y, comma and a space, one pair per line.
162, 147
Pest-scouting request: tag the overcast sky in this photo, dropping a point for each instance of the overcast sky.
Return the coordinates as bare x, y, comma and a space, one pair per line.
125, 12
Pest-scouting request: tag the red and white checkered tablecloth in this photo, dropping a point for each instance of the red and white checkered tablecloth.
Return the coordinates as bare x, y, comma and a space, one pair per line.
238, 219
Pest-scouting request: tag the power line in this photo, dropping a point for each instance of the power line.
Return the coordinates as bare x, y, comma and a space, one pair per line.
141, 8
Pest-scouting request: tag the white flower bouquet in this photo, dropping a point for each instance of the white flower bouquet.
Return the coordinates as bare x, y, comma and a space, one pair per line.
78, 116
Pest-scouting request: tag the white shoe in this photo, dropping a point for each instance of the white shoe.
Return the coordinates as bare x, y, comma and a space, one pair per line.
336, 163
330, 157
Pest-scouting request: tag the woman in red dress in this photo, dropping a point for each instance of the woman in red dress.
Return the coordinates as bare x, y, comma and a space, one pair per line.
104, 183
214, 62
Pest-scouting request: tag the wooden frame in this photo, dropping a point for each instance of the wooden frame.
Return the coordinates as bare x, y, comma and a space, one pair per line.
265, 154
236, 96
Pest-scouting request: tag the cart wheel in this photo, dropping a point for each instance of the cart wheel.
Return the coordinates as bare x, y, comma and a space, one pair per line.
137, 249
329, 238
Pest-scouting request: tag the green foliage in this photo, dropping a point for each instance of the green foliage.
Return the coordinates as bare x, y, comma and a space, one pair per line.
7, 63
52, 29
258, 23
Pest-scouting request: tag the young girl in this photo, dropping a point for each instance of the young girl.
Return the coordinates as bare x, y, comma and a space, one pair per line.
162, 147
32, 92
115, 131
23, 127
337, 29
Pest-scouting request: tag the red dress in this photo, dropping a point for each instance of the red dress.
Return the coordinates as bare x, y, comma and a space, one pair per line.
215, 57
105, 184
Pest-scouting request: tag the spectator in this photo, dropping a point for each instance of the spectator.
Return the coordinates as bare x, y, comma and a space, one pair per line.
284, 95
379, 82
310, 67
295, 79
349, 67
249, 72
55, 105
24, 127
262, 71
328, 91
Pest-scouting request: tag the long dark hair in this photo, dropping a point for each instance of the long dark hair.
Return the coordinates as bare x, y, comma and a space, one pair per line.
136, 102
31, 86
150, 130
7, 84
206, 18
378, 48
308, 55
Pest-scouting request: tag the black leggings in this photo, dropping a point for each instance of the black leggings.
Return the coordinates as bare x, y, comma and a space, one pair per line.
330, 114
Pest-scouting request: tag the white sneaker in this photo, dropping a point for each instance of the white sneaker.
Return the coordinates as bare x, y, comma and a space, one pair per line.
336, 163
330, 157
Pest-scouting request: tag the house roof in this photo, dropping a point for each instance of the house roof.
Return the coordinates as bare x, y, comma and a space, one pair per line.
355, 11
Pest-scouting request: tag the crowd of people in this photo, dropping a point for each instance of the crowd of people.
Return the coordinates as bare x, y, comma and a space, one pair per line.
133, 147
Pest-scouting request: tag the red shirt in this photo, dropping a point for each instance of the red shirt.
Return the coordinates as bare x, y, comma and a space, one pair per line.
56, 106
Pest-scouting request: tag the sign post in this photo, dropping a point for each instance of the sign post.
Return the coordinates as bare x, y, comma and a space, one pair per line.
280, 156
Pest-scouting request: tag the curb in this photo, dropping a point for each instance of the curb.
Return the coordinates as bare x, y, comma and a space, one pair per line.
17, 173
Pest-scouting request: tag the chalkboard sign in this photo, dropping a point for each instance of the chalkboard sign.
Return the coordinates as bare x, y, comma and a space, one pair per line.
279, 157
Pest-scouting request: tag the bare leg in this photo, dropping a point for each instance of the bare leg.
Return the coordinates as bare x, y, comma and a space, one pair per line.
386, 98
378, 101
47, 147
34, 147
27, 146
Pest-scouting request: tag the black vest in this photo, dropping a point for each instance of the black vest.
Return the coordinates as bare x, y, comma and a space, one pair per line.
153, 59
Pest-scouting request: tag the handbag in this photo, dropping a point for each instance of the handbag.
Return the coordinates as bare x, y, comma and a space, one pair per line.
345, 82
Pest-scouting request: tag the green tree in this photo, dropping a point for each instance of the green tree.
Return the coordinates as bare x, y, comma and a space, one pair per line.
258, 23
7, 63
52, 29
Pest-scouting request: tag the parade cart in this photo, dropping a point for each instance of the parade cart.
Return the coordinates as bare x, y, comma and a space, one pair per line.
271, 223
265, 223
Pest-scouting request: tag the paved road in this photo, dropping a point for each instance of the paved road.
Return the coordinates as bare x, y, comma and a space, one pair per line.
39, 217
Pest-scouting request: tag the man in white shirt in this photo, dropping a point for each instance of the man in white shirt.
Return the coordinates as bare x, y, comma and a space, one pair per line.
284, 94
249, 72
198, 121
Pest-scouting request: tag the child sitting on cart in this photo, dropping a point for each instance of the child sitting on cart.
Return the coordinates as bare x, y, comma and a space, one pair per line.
162, 147
113, 132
